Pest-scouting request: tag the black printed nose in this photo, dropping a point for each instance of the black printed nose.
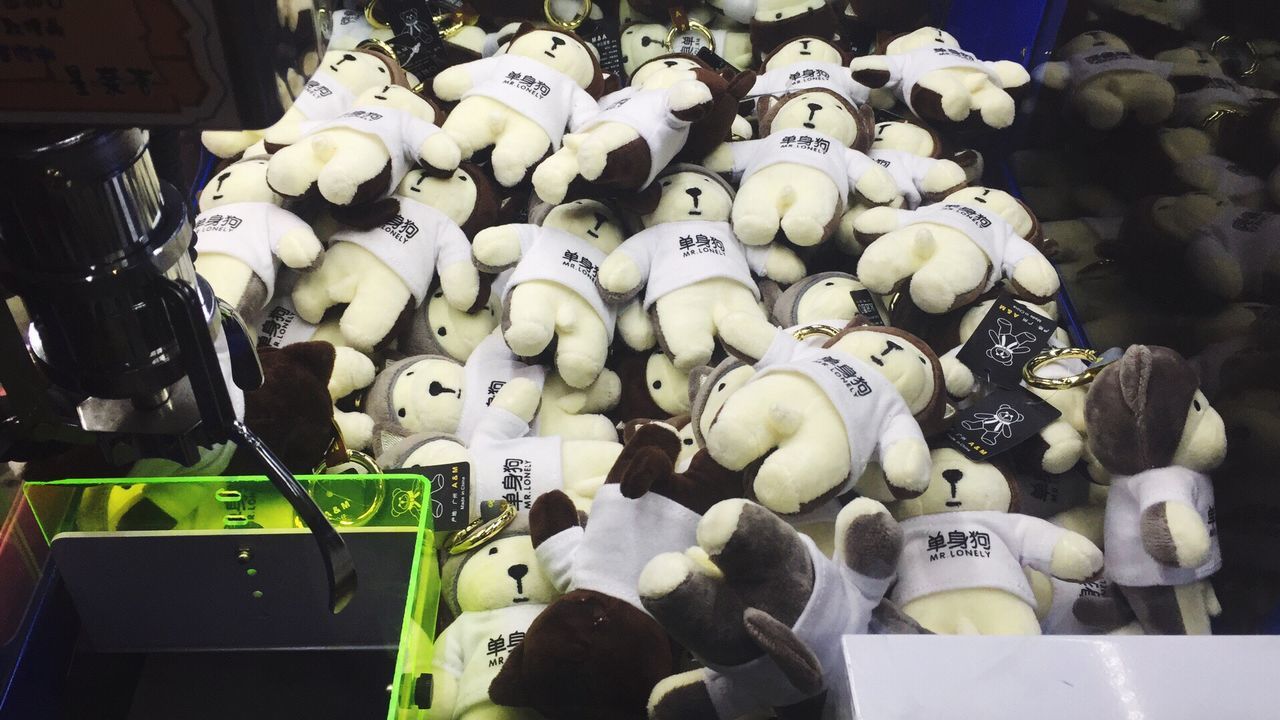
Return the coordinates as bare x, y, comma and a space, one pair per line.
221, 179
813, 108
953, 478
517, 572
668, 63
557, 42
435, 388
693, 192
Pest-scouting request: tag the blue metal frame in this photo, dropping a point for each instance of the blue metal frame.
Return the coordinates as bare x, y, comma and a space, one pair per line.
1024, 31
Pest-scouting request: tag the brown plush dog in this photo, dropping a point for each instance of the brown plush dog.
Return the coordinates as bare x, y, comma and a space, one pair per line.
595, 653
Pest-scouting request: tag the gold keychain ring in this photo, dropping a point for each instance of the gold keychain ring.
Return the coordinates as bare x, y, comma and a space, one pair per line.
695, 26
369, 16
1252, 51
1052, 355
805, 332
583, 12
480, 531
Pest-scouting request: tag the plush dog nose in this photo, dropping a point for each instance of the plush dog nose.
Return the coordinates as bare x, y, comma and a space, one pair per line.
814, 107
517, 572
557, 42
693, 192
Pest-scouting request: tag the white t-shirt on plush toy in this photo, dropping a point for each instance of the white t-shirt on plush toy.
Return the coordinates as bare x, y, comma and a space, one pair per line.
873, 411
996, 237
1127, 561
508, 464
415, 243
324, 96
558, 256
678, 254
807, 75
547, 97
906, 69
401, 133
249, 232
908, 172
816, 150
648, 111
490, 366
972, 549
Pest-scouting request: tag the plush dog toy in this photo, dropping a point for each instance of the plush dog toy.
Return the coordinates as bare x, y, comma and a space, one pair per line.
642, 42
818, 414
243, 232
948, 254
819, 298
764, 610
637, 132
521, 101
330, 92
774, 22
552, 294
364, 154
805, 63
942, 83
495, 591
565, 411
1108, 83
797, 179
1154, 431
695, 273
384, 272
595, 652
965, 548
509, 463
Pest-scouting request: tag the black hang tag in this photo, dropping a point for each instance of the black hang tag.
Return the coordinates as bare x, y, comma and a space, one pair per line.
865, 302
715, 62
1005, 340
450, 493
603, 34
998, 422
417, 42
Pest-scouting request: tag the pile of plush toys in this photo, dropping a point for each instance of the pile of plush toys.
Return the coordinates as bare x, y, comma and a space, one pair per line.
703, 325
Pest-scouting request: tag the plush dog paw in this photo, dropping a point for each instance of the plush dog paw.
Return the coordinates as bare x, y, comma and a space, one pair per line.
868, 539
1075, 558
682, 697
352, 370
619, 275
689, 100
636, 328
527, 339
441, 152
300, 249
497, 248
552, 176
1174, 534
877, 185
756, 227
803, 230
959, 378
520, 397
356, 429
1065, 447
783, 265
451, 83
1035, 277
720, 159
228, 143
461, 285
906, 466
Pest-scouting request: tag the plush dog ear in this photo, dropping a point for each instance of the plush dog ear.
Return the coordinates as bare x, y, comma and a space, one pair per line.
366, 216
642, 202
866, 120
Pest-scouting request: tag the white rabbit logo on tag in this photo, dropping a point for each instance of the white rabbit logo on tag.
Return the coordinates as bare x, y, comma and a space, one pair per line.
1006, 345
